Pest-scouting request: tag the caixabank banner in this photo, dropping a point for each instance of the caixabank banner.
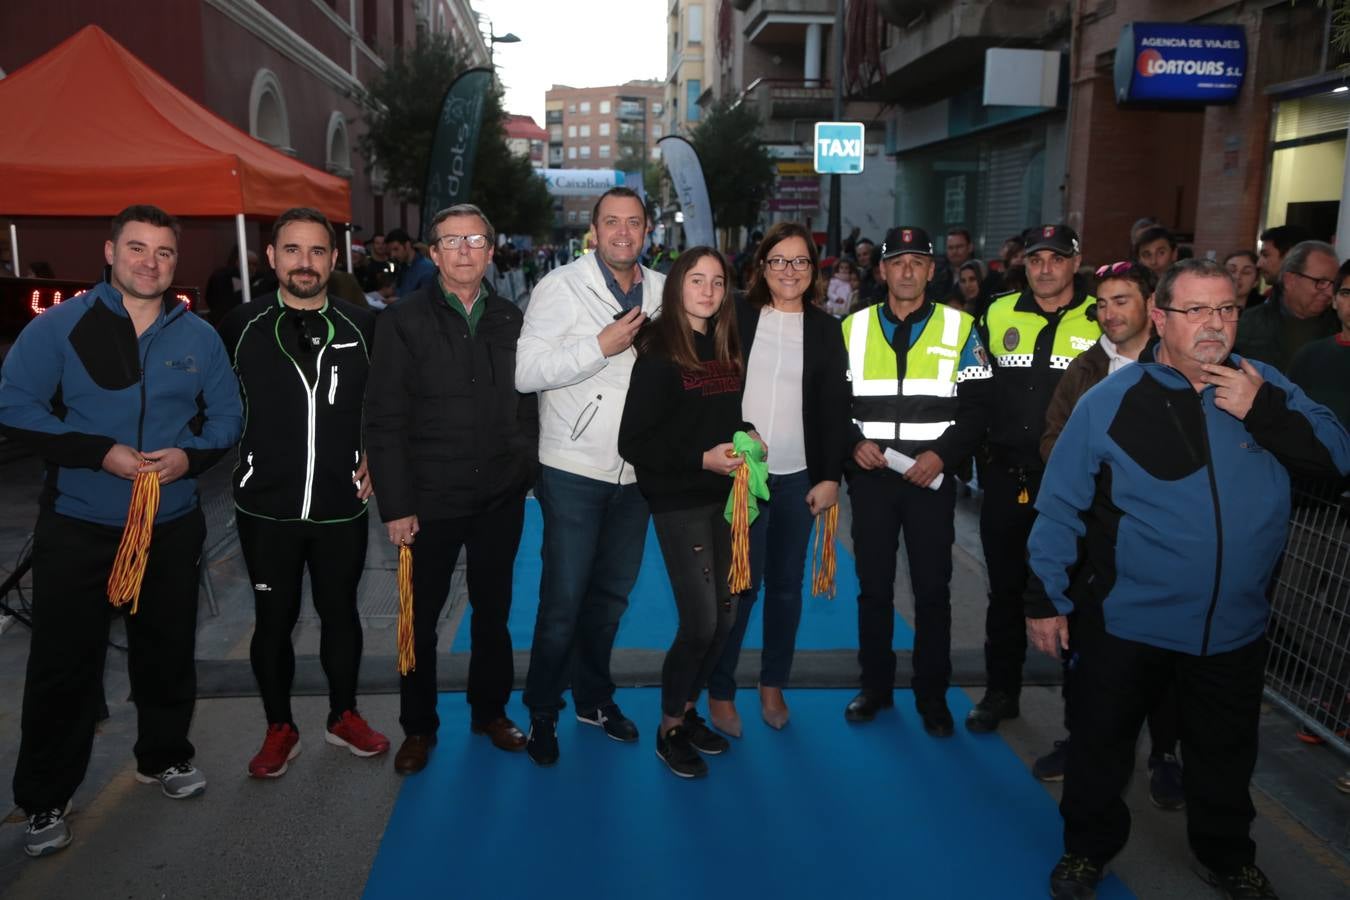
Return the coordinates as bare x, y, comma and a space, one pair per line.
1164, 62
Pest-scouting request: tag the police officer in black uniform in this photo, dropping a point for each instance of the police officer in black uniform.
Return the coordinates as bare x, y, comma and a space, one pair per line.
921, 386
1032, 336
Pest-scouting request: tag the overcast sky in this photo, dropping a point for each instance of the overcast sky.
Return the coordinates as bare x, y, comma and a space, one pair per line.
582, 43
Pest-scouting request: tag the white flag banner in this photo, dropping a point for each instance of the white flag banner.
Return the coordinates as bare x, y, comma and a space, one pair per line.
686, 173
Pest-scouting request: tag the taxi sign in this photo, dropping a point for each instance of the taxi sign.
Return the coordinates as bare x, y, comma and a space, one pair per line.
839, 148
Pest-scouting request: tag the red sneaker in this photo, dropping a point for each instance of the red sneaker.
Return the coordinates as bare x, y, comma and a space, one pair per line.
352, 731
281, 745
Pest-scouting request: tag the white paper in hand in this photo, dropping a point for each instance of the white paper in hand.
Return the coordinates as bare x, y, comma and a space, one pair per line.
901, 463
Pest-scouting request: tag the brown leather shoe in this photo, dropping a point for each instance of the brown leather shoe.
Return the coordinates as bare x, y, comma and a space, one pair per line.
503, 732
412, 755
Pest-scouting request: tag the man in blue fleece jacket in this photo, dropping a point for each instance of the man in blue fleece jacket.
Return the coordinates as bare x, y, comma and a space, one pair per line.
1163, 513
115, 381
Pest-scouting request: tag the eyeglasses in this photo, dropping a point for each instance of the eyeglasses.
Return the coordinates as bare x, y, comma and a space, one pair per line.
1321, 284
1197, 314
1118, 268
779, 263
452, 241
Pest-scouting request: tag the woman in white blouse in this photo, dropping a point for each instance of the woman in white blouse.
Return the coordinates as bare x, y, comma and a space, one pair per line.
797, 393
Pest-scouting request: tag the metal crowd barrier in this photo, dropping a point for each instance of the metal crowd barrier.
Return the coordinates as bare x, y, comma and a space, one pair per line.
1308, 671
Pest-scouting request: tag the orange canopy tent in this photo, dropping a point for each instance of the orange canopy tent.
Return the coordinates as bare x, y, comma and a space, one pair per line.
139, 140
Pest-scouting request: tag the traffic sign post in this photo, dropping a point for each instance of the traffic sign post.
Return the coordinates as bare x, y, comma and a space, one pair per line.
839, 148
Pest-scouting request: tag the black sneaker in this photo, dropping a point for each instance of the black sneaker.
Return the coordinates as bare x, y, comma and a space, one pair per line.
993, 708
1246, 883
1075, 877
47, 832
679, 754
542, 744
701, 737
936, 717
612, 720
1164, 783
1050, 767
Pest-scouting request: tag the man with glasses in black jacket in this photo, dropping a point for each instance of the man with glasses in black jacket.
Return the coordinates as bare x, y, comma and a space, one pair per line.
453, 450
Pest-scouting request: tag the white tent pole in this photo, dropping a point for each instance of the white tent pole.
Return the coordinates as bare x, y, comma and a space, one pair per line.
14, 249
347, 233
243, 256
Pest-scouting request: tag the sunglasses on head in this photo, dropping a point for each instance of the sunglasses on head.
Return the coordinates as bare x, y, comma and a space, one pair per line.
1118, 268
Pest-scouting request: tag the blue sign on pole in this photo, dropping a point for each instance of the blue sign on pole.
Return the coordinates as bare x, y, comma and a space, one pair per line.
839, 148
1161, 62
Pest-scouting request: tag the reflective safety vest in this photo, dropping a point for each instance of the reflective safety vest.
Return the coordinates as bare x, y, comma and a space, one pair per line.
1013, 334
1030, 351
922, 406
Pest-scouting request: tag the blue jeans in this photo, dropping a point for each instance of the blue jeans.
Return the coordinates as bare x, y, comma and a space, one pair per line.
778, 543
594, 533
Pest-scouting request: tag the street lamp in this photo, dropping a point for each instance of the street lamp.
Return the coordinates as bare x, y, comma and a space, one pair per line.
493, 40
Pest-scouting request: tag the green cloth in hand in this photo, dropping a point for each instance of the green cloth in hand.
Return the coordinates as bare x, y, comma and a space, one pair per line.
749, 449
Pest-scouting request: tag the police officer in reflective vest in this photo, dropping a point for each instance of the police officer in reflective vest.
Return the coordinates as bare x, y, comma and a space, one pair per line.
922, 386
1032, 336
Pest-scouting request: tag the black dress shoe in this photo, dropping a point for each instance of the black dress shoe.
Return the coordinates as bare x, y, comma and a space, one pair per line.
542, 744
936, 717
864, 707
993, 708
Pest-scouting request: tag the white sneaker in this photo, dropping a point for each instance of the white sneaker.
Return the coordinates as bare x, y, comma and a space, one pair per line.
47, 832
179, 781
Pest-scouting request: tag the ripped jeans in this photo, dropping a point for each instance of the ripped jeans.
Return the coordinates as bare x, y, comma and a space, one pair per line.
696, 545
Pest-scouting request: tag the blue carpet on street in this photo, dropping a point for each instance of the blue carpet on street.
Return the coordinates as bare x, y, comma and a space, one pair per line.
650, 621
821, 809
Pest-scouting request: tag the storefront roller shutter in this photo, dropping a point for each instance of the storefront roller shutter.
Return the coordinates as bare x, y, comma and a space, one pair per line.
1013, 170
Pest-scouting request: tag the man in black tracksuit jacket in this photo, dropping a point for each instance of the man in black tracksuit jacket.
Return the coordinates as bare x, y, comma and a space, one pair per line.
453, 448
300, 487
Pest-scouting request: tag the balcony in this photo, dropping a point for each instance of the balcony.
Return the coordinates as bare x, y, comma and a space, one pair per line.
631, 109
782, 98
780, 22
942, 41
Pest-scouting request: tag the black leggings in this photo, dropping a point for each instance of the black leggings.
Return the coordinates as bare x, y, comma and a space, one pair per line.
696, 545
277, 554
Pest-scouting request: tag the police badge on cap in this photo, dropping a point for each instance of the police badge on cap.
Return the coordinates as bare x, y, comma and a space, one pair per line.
1060, 239
906, 239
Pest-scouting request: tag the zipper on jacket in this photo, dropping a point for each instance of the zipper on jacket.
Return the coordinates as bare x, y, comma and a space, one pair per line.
140, 420
249, 474
332, 386
311, 427
1218, 527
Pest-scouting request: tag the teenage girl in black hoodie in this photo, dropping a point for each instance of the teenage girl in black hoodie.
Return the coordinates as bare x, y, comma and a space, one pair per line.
683, 407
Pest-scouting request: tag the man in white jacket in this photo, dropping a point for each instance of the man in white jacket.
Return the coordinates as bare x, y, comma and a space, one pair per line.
576, 350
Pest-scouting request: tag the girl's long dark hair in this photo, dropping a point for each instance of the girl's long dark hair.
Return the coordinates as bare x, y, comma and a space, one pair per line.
758, 292
669, 333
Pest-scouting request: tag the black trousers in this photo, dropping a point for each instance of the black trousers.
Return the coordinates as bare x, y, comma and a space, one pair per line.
1005, 527
884, 507
71, 614
492, 539
1163, 724
1116, 683
277, 554
696, 546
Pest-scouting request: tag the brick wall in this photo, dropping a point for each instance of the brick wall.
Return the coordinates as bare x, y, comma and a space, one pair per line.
1200, 171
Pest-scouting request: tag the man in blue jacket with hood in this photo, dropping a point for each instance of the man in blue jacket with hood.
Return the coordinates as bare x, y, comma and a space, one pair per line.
118, 380
1163, 513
